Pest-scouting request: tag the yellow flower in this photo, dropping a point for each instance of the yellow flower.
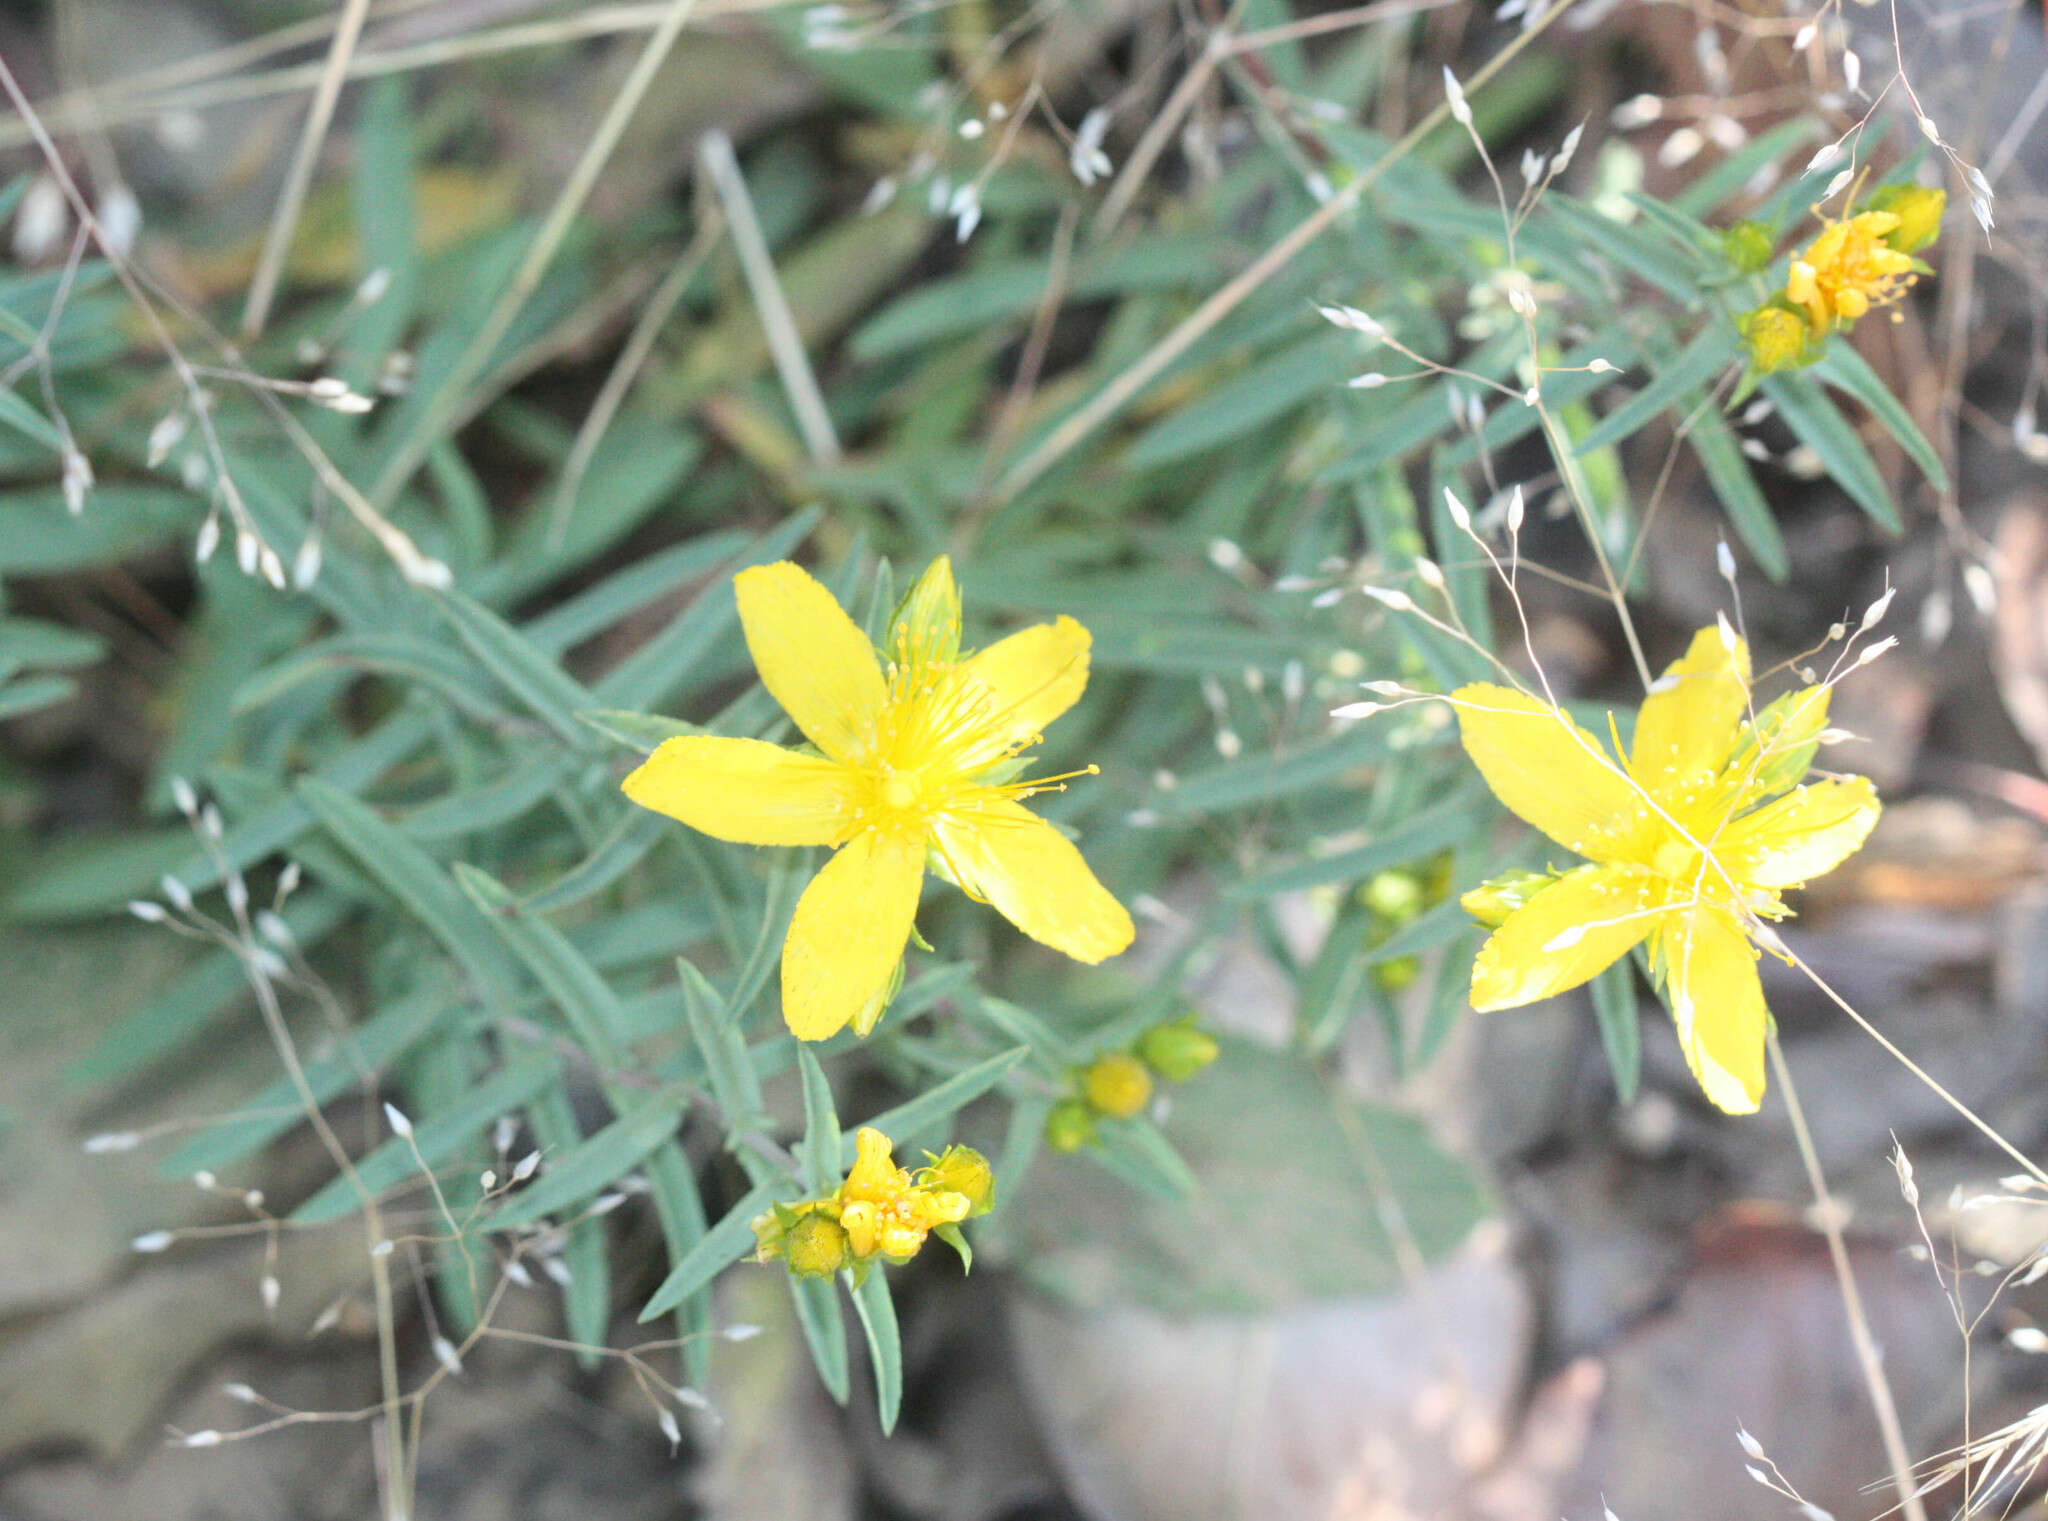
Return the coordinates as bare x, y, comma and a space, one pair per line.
885, 1210
1777, 339
1847, 270
1689, 842
914, 759
881, 1210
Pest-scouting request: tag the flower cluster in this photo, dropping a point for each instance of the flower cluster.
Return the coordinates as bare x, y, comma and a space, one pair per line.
1858, 262
1118, 1084
881, 1210
1691, 835
913, 756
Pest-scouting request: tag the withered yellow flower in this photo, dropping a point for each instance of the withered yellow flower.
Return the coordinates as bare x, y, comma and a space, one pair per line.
1847, 270
881, 1210
914, 759
1691, 838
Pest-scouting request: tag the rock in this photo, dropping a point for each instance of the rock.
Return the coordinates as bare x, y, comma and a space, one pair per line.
1327, 1409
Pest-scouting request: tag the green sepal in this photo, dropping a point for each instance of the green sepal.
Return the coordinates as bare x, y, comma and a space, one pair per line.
925, 630
956, 1239
871, 1015
1787, 733
1494, 899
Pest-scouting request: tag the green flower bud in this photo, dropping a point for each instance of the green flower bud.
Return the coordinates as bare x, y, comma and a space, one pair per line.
1395, 895
1747, 246
816, 1246
1392, 976
1069, 1126
1778, 338
1177, 1051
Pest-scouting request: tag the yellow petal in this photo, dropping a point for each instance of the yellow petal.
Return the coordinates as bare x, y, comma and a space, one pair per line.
1567, 934
1036, 675
746, 791
811, 656
1805, 834
1717, 1004
1691, 719
1546, 769
1002, 852
849, 931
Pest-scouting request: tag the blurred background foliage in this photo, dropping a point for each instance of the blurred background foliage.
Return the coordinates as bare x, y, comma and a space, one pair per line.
418, 783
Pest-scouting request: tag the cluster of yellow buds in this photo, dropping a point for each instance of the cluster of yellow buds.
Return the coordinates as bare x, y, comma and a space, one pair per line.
1858, 262
1118, 1084
881, 1210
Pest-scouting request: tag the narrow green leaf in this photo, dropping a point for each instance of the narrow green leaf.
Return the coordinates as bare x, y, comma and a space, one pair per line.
877, 1311
583, 996
733, 1081
1846, 370
417, 881
1621, 1036
637, 832
1728, 473
189, 1007
549, 692
438, 1138
716, 1250
598, 1162
1821, 427
821, 1126
824, 1327
359, 1056
34, 692
644, 732
1674, 383
25, 419
33, 641
916, 1115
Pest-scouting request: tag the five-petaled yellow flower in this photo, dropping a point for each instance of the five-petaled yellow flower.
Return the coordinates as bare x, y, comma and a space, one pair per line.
914, 758
1851, 267
1690, 843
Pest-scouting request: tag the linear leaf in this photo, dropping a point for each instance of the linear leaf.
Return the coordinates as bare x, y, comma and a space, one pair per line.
390, 1164
877, 1310
1846, 370
583, 996
1821, 427
1621, 1036
412, 876
1728, 473
716, 1250
362, 1053
824, 1327
1674, 384
598, 1162
549, 692
928, 1108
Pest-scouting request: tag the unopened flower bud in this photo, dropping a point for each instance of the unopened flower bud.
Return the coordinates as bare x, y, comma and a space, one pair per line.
1117, 1084
1069, 1126
1177, 1051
